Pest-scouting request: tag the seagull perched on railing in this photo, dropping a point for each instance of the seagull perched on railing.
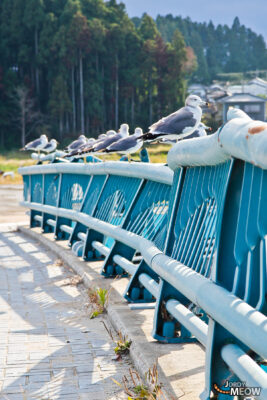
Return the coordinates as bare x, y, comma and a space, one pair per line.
179, 124
200, 131
51, 146
76, 144
37, 144
88, 148
127, 145
111, 137
123, 133
76, 153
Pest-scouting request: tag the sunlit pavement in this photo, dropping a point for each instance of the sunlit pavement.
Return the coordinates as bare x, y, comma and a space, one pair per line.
49, 348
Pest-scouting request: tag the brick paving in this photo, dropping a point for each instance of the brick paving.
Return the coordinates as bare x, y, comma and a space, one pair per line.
49, 348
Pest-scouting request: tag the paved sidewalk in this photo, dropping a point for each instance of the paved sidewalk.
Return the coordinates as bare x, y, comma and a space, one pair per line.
49, 348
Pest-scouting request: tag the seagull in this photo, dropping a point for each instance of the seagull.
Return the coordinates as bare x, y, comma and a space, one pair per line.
8, 173
88, 148
76, 144
80, 152
51, 146
127, 145
112, 137
37, 144
179, 124
200, 131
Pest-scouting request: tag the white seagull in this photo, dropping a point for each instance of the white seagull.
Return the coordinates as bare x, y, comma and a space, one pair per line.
127, 145
179, 124
51, 146
200, 131
111, 137
76, 144
37, 144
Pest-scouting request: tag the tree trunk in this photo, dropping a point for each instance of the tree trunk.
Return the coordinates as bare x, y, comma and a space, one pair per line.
116, 92
103, 122
67, 122
23, 128
87, 124
37, 80
132, 108
150, 102
2, 143
81, 92
73, 100
97, 64
61, 126
125, 110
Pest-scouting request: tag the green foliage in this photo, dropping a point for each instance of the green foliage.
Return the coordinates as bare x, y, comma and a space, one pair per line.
218, 50
136, 389
102, 296
99, 300
87, 65
122, 345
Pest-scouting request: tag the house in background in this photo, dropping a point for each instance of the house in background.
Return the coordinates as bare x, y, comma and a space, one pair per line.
198, 89
254, 106
256, 87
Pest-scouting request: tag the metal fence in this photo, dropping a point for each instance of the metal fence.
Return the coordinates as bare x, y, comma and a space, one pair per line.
192, 241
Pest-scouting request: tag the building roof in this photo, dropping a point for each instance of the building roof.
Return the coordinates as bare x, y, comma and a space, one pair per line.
197, 86
242, 98
258, 81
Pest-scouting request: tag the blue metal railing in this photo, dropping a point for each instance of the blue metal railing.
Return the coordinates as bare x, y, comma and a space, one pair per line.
195, 242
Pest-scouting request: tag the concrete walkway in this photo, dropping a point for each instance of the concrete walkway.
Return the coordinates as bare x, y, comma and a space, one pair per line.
49, 348
180, 366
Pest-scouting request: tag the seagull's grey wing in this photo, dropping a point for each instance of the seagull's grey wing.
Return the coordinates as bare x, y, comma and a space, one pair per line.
106, 142
28, 145
123, 144
197, 133
193, 135
174, 123
35, 143
47, 146
76, 144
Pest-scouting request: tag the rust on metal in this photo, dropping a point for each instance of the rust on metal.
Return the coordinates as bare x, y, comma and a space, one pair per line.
257, 129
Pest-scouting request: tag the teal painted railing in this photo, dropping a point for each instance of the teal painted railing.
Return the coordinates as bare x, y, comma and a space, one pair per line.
192, 241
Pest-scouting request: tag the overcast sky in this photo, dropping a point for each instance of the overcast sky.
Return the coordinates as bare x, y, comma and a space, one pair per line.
252, 13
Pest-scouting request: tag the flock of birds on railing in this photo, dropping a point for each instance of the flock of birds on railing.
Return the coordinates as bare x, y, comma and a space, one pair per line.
183, 123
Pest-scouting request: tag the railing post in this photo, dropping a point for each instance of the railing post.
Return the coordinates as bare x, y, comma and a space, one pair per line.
134, 291
77, 226
56, 232
109, 267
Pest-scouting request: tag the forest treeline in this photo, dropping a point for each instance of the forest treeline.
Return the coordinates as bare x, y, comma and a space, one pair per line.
71, 66
220, 49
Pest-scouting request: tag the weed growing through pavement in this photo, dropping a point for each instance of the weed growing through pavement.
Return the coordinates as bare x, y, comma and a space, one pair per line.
137, 390
99, 301
122, 346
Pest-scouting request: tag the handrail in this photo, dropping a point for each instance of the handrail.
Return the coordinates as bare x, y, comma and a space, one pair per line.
154, 172
242, 138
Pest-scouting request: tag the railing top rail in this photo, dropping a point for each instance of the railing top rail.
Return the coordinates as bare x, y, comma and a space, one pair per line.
240, 137
154, 172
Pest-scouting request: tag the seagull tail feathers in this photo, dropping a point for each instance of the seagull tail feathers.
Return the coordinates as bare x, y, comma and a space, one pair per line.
148, 137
